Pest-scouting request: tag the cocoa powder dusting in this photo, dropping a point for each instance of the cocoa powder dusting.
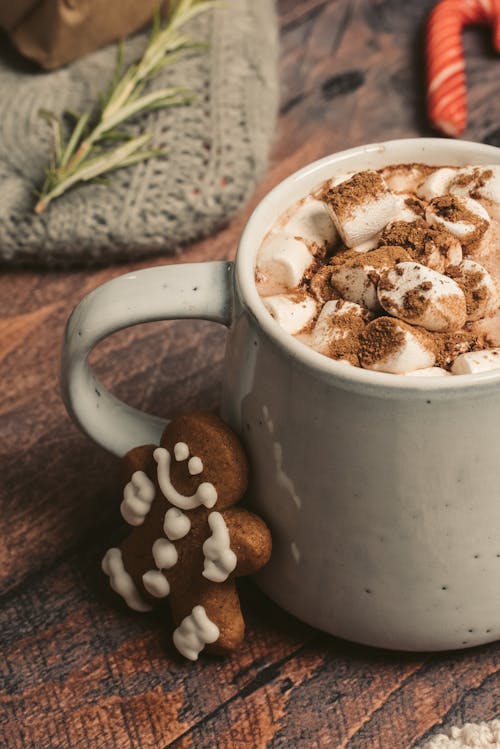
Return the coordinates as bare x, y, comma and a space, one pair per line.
454, 308
416, 205
320, 285
297, 296
384, 284
474, 180
419, 240
362, 187
381, 338
346, 331
414, 302
320, 257
471, 283
382, 257
447, 346
464, 180
452, 208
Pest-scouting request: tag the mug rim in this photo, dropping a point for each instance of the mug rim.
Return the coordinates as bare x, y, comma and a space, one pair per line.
346, 375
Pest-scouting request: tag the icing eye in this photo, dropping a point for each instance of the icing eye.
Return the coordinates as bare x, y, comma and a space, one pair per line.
195, 465
181, 451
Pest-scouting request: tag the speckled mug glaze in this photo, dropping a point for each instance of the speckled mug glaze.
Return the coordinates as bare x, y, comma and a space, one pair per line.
382, 491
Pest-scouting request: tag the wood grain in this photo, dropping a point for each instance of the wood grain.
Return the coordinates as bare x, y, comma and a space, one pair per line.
79, 671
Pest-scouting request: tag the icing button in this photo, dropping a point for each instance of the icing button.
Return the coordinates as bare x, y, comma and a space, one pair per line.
181, 451
195, 465
176, 524
156, 583
164, 554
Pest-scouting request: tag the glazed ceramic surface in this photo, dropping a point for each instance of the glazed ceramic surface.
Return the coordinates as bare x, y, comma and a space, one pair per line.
381, 491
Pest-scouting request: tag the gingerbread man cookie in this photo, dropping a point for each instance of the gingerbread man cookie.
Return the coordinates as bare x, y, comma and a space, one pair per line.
189, 542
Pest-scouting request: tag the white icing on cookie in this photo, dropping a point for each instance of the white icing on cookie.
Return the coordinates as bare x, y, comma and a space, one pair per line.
138, 496
165, 556
194, 632
156, 583
121, 581
206, 494
164, 553
220, 560
176, 524
195, 465
181, 451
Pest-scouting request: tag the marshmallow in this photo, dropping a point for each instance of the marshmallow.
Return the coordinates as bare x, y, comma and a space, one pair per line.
481, 183
436, 184
291, 311
435, 248
421, 296
389, 345
476, 361
429, 372
283, 260
478, 286
360, 206
404, 211
336, 331
312, 222
370, 244
463, 217
355, 276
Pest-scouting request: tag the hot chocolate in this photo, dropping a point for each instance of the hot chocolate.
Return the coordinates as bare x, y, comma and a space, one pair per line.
395, 270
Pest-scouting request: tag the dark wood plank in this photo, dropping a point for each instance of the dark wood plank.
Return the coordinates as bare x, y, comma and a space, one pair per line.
334, 695
80, 671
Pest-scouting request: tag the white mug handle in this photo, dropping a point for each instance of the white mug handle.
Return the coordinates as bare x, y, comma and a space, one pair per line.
191, 290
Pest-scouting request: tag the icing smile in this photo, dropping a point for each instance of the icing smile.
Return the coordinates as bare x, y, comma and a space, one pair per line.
206, 493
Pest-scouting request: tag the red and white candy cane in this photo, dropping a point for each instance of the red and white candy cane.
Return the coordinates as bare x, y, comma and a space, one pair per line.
446, 91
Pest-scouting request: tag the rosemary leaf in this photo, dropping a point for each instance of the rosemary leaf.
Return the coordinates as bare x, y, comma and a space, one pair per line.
163, 97
111, 160
57, 135
74, 139
141, 156
97, 144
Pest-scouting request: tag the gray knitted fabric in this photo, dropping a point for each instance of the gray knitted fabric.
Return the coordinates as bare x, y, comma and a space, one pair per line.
217, 147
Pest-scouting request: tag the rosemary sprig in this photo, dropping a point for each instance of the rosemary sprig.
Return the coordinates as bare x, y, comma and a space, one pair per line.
97, 144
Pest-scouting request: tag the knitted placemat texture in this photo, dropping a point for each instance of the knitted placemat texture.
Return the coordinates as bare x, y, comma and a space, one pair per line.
469, 736
217, 147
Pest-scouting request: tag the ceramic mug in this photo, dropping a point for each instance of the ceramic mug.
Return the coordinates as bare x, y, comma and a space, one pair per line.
382, 491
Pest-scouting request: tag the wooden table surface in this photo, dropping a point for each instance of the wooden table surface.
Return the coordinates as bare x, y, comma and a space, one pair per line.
78, 670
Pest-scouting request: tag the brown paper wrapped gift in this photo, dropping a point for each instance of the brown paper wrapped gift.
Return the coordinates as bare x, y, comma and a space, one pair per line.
55, 32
